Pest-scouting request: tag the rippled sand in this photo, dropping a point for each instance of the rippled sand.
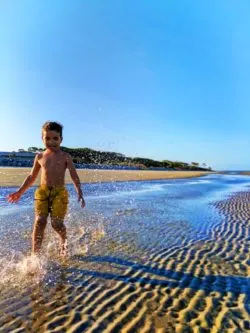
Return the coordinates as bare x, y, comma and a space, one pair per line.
15, 176
201, 286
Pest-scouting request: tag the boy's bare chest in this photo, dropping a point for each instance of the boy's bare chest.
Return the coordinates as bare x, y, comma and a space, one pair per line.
57, 163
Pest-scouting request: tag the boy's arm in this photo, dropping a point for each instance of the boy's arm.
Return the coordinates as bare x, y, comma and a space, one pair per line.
27, 182
76, 180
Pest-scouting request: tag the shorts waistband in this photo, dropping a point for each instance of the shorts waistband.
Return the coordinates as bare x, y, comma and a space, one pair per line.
52, 187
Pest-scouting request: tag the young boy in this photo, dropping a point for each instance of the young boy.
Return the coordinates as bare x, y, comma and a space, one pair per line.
51, 198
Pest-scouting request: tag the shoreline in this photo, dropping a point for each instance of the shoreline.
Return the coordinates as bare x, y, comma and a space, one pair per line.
15, 176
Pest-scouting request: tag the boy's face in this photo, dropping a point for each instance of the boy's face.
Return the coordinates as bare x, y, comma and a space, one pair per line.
51, 140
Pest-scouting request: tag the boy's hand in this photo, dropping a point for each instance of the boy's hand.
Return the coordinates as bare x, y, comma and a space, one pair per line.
81, 200
14, 197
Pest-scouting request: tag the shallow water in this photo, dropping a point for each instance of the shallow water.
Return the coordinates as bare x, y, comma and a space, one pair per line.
145, 257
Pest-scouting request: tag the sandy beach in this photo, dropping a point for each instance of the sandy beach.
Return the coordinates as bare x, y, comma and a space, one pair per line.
126, 282
245, 173
15, 176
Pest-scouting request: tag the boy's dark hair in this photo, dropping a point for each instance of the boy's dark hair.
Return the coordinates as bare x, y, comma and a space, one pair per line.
53, 126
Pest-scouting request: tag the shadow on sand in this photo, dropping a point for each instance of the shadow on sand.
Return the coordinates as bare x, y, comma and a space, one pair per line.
175, 279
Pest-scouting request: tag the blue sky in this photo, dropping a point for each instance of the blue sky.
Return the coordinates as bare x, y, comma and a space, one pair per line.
157, 79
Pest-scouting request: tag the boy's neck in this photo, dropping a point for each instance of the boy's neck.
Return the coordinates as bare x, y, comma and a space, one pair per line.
53, 150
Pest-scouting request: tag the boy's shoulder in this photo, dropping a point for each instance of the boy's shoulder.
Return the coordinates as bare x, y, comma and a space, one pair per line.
39, 155
67, 155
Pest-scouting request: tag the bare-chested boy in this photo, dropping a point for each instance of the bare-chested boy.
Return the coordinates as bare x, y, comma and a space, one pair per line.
51, 198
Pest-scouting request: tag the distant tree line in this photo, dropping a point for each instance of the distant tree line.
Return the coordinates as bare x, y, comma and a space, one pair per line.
91, 156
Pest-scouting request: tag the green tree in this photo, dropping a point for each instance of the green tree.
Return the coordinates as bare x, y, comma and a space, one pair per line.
33, 149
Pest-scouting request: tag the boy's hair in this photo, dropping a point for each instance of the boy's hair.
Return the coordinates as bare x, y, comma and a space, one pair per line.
53, 126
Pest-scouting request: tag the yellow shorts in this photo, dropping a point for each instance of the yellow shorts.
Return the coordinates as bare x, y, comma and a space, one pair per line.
51, 200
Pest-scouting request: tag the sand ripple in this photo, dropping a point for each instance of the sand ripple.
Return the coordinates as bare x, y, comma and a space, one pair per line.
201, 286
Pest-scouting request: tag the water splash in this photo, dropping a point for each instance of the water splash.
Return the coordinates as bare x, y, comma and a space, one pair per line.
21, 270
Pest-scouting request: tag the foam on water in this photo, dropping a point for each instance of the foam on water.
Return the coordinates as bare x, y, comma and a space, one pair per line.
20, 270
145, 188
131, 192
198, 182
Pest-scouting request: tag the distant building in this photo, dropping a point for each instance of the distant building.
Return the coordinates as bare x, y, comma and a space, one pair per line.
8, 154
26, 154
13, 158
4, 153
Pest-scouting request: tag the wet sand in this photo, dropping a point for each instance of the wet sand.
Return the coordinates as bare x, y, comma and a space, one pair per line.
203, 286
15, 176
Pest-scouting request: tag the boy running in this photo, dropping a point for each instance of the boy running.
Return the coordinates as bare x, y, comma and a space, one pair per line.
51, 198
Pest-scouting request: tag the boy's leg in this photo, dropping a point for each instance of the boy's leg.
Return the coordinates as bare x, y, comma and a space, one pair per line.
59, 226
38, 233
58, 212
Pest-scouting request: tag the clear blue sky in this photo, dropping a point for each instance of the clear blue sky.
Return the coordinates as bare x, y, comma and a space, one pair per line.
158, 79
